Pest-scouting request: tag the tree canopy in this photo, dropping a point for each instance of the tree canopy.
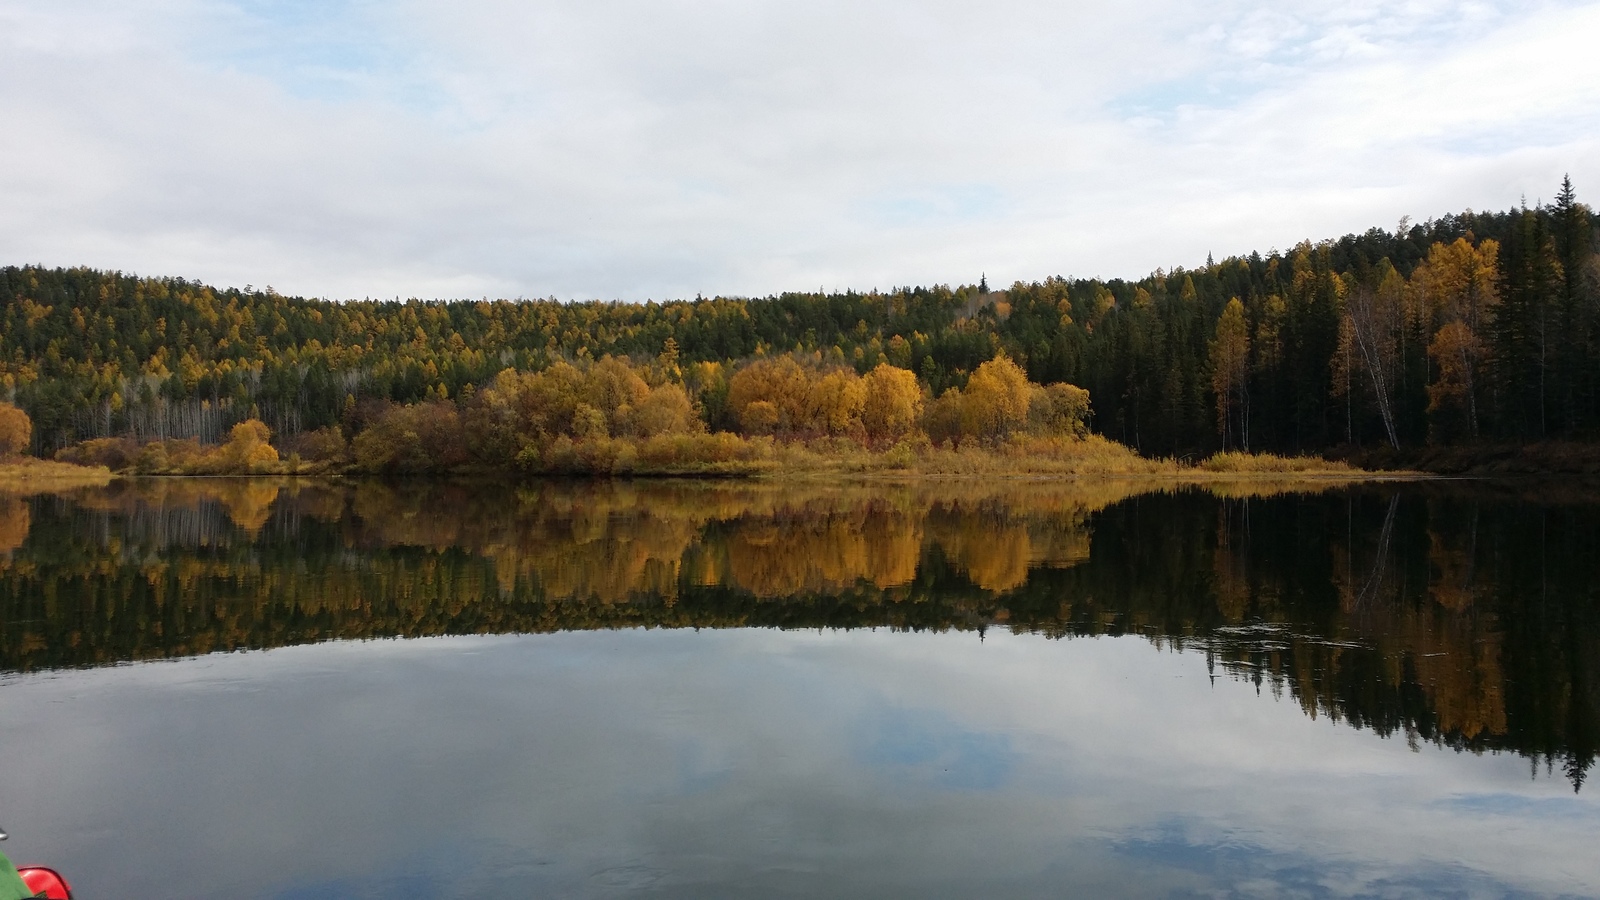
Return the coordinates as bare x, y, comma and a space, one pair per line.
1469, 326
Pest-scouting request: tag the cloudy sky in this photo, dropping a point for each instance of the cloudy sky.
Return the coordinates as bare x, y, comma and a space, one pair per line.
634, 150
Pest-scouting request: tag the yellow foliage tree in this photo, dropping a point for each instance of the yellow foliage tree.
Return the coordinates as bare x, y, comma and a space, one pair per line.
996, 400
247, 449
664, 410
1454, 293
1060, 409
893, 402
421, 438
835, 403
782, 384
607, 399
1457, 283
779, 395
1230, 359
1454, 352
615, 389
759, 417
16, 430
942, 421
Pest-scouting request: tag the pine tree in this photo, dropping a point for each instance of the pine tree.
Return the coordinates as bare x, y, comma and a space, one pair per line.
1523, 326
1573, 246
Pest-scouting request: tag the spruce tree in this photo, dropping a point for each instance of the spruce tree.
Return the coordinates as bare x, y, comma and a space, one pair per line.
1573, 238
1523, 327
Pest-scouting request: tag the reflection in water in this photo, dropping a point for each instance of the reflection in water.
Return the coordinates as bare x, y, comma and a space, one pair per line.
1462, 615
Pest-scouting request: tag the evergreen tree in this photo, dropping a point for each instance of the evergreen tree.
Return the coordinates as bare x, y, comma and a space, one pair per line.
1524, 325
1574, 247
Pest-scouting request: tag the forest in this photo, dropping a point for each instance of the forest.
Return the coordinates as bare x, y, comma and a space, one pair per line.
1466, 329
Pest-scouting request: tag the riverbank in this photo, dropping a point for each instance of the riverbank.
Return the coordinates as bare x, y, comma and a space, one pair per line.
1092, 456
26, 473
730, 456
1541, 458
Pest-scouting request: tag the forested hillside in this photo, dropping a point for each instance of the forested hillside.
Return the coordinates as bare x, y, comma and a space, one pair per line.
1469, 327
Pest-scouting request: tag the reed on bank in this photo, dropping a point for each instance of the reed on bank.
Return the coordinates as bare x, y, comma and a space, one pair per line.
719, 454
26, 473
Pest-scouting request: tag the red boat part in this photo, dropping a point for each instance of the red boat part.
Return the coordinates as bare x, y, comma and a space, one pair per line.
45, 882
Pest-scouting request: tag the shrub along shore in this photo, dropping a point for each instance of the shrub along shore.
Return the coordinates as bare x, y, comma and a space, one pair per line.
1092, 456
795, 415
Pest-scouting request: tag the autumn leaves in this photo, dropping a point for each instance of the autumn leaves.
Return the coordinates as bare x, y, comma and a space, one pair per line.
780, 396
617, 416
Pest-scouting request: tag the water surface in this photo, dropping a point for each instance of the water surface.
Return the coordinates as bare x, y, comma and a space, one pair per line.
702, 690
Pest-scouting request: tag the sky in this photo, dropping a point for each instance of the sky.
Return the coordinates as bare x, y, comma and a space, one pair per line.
631, 150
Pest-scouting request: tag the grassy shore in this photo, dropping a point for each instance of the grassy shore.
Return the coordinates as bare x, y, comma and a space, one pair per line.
25, 474
1236, 463
725, 455
1031, 457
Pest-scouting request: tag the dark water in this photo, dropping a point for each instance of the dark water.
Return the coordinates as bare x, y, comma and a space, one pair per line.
715, 690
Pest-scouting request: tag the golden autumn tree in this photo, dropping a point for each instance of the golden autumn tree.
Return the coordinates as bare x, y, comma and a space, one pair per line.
16, 430
779, 385
783, 396
942, 419
1456, 282
1454, 352
665, 409
759, 417
614, 389
426, 437
996, 400
1059, 409
893, 402
836, 401
1230, 361
1454, 294
247, 449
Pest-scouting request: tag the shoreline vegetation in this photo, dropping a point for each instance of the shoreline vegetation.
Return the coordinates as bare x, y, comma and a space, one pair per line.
1089, 457
796, 415
722, 457
26, 473
1097, 458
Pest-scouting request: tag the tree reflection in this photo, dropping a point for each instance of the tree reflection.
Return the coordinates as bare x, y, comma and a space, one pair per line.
1460, 615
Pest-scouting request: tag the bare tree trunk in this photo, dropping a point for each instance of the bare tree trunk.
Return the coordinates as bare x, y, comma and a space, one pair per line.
1372, 334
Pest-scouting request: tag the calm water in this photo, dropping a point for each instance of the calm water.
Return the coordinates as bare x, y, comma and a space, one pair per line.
715, 690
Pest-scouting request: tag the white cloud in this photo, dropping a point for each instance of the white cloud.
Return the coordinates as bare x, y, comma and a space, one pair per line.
658, 149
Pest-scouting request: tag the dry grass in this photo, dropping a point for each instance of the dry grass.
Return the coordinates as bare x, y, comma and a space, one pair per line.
724, 455
1022, 456
1063, 456
1034, 457
26, 475
1233, 462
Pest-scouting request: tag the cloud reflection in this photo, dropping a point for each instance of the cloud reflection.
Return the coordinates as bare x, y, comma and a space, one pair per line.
927, 746
682, 763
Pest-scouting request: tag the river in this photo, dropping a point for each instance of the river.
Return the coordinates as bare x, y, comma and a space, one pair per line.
292, 689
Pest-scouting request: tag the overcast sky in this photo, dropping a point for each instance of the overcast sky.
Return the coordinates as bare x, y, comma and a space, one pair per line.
633, 150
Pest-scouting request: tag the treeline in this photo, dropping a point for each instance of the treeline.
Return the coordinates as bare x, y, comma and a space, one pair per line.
615, 417
1470, 327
